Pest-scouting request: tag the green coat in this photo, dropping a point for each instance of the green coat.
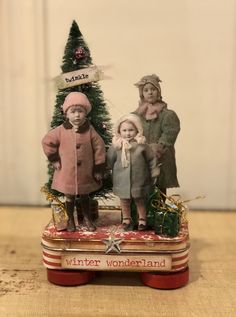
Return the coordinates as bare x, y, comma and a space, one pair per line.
164, 130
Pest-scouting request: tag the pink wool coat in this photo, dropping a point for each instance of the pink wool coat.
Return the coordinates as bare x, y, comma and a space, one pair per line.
80, 154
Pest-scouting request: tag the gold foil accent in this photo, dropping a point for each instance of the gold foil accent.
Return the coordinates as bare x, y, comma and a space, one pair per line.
176, 205
59, 214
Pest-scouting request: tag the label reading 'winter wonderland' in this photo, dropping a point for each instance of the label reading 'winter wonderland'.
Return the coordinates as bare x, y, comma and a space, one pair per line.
116, 262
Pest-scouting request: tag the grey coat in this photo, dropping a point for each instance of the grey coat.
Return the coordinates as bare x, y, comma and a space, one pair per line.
164, 130
136, 180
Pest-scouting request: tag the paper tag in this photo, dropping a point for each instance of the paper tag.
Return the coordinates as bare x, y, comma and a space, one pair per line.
120, 262
79, 77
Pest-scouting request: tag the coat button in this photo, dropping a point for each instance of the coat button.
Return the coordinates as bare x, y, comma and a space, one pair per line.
77, 146
79, 163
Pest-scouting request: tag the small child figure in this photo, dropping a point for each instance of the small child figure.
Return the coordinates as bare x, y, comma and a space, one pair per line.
134, 168
160, 127
77, 153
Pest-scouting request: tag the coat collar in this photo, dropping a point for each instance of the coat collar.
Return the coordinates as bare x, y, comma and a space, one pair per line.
83, 128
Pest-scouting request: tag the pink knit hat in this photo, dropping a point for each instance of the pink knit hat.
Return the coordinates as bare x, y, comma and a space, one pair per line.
76, 98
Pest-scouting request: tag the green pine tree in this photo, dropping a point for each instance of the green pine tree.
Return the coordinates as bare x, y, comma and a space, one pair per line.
99, 116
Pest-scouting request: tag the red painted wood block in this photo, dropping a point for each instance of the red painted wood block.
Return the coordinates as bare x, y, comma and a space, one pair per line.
69, 278
165, 280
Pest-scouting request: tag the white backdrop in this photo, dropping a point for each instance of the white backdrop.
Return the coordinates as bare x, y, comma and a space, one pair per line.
189, 44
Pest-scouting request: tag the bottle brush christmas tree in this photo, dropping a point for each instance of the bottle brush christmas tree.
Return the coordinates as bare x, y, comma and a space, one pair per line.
77, 57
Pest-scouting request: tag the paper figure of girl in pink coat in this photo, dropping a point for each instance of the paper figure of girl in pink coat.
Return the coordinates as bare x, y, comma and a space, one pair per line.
77, 153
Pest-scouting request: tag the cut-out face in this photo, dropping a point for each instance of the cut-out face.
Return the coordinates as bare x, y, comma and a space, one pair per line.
76, 114
150, 93
128, 130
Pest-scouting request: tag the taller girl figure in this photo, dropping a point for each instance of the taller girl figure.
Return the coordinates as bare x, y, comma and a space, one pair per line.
161, 127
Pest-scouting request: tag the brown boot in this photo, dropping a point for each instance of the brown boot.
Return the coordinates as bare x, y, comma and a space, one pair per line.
80, 216
70, 212
85, 206
127, 224
142, 224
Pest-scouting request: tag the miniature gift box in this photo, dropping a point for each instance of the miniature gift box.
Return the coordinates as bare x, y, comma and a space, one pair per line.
167, 222
59, 216
165, 217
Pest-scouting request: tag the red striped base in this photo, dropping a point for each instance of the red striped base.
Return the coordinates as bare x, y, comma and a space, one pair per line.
165, 280
69, 278
54, 259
